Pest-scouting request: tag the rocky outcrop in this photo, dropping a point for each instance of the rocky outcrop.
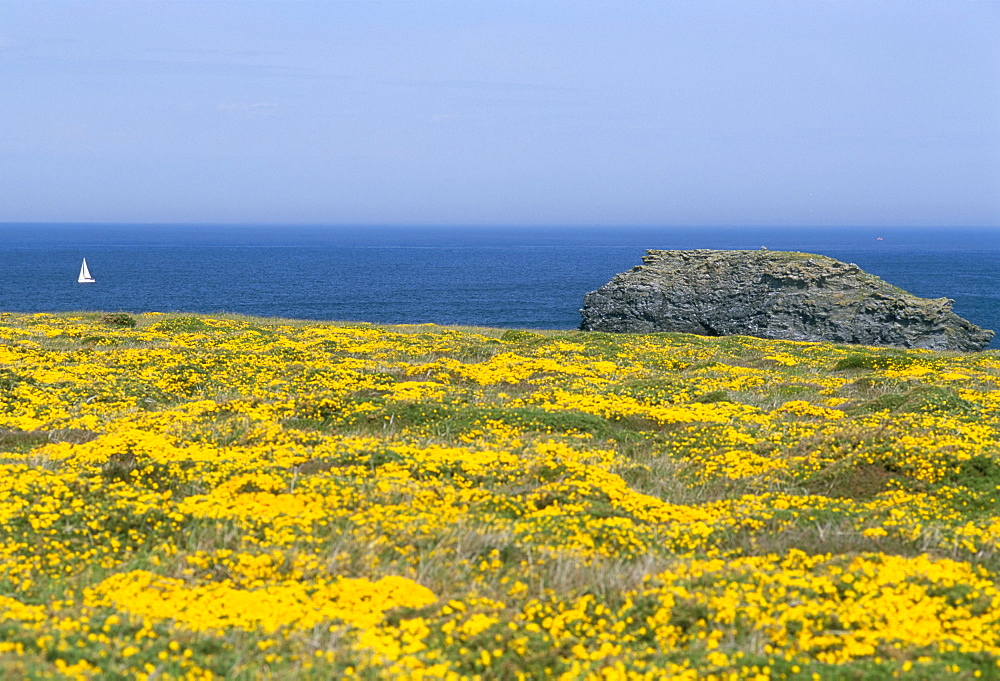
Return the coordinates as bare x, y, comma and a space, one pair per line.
773, 294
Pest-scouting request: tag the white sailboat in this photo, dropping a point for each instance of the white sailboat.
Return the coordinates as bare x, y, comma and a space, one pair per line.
85, 277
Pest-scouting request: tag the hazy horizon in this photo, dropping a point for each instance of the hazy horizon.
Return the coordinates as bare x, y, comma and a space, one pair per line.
519, 114
460, 225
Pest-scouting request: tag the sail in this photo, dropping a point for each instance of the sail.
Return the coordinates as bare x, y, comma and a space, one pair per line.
85, 277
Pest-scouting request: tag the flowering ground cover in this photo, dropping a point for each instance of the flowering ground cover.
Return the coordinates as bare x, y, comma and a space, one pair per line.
199, 498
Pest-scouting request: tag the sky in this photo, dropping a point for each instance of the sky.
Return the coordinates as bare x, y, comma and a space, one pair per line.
432, 112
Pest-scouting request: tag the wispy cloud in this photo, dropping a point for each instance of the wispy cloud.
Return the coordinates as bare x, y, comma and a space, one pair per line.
484, 85
214, 53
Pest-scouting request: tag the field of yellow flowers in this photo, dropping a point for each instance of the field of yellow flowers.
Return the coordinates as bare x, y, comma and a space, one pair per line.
200, 498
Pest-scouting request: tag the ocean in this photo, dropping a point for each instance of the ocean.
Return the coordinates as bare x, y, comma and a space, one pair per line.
520, 277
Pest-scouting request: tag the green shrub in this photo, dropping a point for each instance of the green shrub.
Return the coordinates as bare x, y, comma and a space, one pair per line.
10, 380
516, 336
870, 362
182, 325
922, 398
119, 319
979, 472
459, 418
714, 396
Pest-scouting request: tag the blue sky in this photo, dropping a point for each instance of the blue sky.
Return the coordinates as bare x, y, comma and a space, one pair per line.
541, 112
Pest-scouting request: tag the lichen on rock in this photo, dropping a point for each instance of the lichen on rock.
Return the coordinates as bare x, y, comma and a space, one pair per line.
773, 294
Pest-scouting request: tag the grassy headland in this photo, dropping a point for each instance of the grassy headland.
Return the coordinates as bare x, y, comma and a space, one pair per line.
196, 497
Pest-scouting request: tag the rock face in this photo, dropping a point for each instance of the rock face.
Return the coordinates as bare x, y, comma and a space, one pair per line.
773, 294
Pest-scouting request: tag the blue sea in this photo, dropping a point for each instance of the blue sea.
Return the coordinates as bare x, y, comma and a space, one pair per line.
500, 277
